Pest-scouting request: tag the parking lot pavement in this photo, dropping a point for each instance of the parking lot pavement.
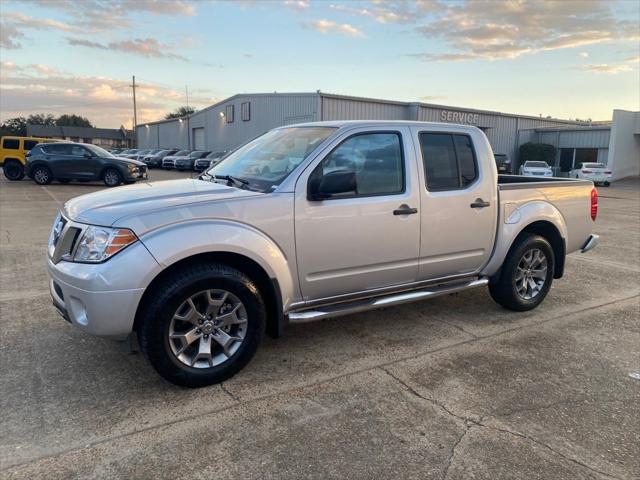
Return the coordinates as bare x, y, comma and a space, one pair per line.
454, 387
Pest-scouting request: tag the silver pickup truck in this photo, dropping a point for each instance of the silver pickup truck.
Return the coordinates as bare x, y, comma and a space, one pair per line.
307, 222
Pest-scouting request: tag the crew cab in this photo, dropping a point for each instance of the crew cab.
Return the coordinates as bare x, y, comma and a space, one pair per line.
303, 223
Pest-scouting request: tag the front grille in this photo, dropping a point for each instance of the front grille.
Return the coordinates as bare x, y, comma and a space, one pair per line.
63, 239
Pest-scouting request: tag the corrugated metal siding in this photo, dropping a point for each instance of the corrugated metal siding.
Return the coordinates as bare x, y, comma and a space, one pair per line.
348, 109
585, 139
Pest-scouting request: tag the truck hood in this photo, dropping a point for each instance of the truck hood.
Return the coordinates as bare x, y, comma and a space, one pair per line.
107, 206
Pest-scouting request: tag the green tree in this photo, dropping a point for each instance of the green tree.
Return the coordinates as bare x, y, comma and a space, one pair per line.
180, 112
541, 152
14, 126
41, 119
73, 121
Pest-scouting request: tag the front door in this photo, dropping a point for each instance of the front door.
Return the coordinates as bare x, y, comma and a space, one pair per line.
459, 203
367, 238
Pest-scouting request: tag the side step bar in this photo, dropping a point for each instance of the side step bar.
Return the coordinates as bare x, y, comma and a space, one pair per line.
340, 309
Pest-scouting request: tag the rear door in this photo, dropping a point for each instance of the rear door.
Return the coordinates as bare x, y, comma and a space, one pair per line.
357, 241
459, 196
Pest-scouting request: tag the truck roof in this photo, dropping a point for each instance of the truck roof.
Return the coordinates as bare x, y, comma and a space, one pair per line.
364, 123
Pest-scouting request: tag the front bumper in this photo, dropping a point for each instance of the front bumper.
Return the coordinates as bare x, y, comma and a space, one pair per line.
102, 299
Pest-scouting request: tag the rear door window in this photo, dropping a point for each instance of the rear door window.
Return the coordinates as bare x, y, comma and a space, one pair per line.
57, 149
11, 143
449, 161
29, 144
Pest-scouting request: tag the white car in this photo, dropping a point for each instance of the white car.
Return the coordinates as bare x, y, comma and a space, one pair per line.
596, 172
536, 169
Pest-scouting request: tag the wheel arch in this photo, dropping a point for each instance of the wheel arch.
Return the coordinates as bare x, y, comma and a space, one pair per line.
269, 287
538, 217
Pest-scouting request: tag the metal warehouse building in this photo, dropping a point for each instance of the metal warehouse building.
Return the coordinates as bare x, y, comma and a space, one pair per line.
233, 121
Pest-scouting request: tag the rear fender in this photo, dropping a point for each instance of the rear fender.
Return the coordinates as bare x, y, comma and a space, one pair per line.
176, 242
514, 221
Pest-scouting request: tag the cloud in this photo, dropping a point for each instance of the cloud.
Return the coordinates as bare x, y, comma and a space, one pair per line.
379, 14
144, 47
299, 5
605, 68
327, 26
37, 88
487, 29
584, 54
9, 37
633, 59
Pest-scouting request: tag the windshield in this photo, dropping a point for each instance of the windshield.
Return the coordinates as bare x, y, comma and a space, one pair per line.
536, 165
197, 154
266, 161
216, 154
182, 153
98, 151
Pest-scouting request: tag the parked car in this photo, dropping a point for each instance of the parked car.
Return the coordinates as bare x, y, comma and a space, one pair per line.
13, 151
66, 161
536, 169
598, 173
209, 161
140, 156
140, 153
186, 163
155, 160
169, 162
503, 162
303, 223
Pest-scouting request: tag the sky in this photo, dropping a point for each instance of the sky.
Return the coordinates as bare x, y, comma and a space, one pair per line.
565, 59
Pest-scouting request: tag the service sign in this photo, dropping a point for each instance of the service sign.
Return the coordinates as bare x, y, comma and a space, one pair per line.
459, 117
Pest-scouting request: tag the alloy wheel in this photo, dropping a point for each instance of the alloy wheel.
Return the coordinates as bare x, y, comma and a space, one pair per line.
207, 328
531, 274
41, 176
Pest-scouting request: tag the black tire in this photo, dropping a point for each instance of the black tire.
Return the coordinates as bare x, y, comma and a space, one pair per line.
159, 310
111, 177
13, 170
504, 288
606, 184
42, 175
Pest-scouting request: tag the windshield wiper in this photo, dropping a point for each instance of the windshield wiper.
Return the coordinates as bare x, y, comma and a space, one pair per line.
232, 179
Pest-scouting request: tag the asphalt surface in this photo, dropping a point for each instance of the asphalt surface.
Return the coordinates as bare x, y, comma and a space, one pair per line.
451, 388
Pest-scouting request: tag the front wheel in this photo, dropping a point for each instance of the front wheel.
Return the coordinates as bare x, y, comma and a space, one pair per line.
526, 275
202, 325
112, 177
13, 170
42, 175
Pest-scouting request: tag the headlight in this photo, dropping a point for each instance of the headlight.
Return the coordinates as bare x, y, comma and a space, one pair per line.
100, 243
132, 167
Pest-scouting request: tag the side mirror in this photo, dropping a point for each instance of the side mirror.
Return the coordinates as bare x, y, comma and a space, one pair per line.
332, 183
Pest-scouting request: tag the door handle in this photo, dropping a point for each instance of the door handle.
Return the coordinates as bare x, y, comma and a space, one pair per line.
479, 203
405, 210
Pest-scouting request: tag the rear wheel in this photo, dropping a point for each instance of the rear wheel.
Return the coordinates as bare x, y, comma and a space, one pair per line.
111, 177
526, 275
202, 325
42, 175
606, 184
13, 170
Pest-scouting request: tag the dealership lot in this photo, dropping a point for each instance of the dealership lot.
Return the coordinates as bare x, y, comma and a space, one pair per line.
455, 387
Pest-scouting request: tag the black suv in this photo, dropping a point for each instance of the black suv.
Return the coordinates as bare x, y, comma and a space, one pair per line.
66, 161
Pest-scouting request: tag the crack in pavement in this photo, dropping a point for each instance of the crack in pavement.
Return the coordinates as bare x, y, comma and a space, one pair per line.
228, 392
470, 422
110, 438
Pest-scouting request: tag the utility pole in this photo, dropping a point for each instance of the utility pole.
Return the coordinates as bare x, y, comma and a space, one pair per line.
186, 89
135, 113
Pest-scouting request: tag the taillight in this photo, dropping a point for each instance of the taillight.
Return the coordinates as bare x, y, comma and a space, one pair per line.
594, 204
586, 171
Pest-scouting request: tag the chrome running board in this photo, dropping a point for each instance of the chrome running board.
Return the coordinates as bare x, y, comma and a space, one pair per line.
340, 309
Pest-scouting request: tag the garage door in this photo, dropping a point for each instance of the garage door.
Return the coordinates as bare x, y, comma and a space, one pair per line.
198, 138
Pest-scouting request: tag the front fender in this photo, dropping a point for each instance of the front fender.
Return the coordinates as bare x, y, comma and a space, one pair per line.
175, 242
513, 220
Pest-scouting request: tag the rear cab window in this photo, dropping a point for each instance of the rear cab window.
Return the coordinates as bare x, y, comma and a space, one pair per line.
449, 161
